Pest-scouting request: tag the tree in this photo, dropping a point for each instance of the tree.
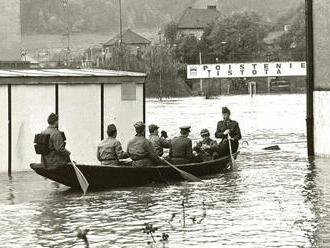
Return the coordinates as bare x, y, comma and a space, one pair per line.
293, 43
187, 49
237, 38
171, 32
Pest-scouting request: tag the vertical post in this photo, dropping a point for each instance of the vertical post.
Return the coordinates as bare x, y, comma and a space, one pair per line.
201, 80
121, 35
102, 111
56, 99
144, 102
9, 132
310, 77
160, 67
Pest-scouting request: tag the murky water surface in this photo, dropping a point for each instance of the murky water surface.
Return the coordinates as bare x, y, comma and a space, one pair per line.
273, 200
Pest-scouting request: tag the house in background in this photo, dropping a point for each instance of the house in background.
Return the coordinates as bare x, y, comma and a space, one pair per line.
131, 40
194, 21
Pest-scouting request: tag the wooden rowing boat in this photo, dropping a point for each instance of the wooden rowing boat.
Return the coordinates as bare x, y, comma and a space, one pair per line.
126, 175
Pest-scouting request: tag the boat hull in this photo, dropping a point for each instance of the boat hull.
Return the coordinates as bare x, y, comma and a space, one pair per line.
103, 177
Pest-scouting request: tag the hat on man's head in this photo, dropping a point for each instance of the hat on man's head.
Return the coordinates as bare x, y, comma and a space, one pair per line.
225, 110
52, 118
185, 128
205, 132
153, 128
139, 124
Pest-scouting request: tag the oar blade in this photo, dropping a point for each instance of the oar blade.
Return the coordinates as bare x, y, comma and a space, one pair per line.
189, 177
81, 179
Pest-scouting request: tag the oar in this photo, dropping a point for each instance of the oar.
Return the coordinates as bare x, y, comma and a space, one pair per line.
184, 174
233, 162
81, 178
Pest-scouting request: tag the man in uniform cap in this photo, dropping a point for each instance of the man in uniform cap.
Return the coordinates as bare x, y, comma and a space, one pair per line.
140, 149
58, 153
227, 128
181, 147
158, 143
207, 147
110, 151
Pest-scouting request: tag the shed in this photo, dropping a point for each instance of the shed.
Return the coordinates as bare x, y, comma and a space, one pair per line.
87, 100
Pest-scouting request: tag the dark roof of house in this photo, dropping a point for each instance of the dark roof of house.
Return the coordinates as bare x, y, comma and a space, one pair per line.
197, 18
129, 37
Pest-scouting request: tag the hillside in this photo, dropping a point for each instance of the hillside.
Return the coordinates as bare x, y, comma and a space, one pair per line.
95, 16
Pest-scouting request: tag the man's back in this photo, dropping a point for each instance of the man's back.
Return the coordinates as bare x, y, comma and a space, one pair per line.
141, 152
158, 144
58, 154
181, 149
109, 151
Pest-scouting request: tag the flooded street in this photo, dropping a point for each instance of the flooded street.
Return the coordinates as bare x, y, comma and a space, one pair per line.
275, 199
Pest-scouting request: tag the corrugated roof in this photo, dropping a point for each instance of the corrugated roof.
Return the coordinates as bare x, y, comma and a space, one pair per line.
197, 18
68, 73
129, 37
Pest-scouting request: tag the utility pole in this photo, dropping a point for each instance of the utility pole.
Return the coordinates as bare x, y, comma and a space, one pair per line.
160, 67
65, 4
121, 36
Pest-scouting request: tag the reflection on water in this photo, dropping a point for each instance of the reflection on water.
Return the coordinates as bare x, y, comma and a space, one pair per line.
275, 199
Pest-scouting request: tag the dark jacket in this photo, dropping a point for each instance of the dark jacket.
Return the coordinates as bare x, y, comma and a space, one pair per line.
233, 126
58, 153
206, 153
181, 150
159, 143
141, 152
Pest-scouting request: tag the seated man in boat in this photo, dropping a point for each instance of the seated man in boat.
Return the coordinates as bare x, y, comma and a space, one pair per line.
207, 147
57, 153
110, 151
227, 128
158, 142
140, 149
181, 147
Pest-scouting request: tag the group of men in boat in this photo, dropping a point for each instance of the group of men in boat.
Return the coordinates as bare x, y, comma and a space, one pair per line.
150, 152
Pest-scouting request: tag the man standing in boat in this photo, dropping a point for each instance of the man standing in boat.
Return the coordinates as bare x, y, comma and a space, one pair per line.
181, 147
227, 129
140, 149
58, 154
158, 143
109, 151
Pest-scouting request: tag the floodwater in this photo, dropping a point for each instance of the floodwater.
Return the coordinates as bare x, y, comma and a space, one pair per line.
275, 199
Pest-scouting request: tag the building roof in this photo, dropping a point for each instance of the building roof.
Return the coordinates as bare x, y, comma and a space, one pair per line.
197, 18
27, 73
129, 37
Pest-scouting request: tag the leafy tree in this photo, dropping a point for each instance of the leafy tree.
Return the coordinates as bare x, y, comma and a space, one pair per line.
237, 38
171, 32
187, 49
293, 43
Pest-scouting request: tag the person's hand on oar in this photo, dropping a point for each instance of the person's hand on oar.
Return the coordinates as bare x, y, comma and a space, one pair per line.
184, 174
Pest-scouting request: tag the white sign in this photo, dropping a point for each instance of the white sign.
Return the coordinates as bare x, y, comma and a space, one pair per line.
267, 69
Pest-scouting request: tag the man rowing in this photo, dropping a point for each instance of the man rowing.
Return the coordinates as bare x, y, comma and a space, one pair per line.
140, 149
227, 129
110, 151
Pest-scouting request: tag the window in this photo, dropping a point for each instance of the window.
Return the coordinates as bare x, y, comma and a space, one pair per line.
128, 91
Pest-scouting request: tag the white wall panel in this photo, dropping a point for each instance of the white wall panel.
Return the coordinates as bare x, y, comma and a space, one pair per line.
122, 113
80, 119
31, 105
3, 128
322, 122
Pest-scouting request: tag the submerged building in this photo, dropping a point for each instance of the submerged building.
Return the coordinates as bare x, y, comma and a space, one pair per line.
86, 100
